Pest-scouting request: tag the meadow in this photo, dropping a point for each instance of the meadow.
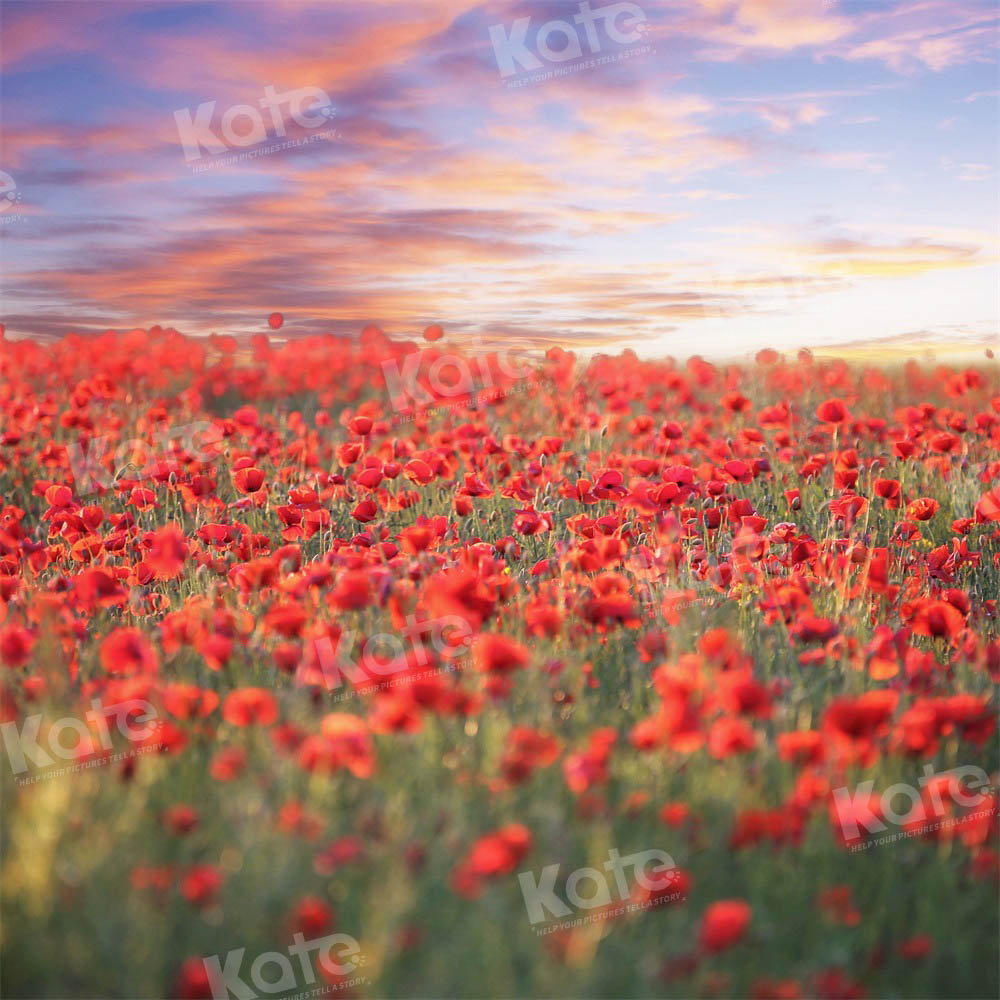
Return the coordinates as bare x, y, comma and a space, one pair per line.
353, 667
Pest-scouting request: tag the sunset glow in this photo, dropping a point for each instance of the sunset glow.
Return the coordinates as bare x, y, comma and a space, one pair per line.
746, 173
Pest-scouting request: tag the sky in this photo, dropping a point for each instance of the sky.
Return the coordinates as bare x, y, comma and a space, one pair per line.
684, 177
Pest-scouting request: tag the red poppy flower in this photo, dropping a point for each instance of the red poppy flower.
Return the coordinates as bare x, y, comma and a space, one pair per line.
188, 701
801, 748
127, 651
498, 654
923, 509
527, 749
249, 480
201, 884
589, 767
16, 644
343, 851
344, 742
250, 706
193, 982
228, 764
833, 411
365, 511
312, 917
180, 819
811, 629
492, 855
287, 619
460, 593
937, 618
724, 924
730, 736
890, 491
915, 948
59, 496
419, 472
142, 498
856, 723
167, 553
352, 591
530, 522
415, 539
988, 506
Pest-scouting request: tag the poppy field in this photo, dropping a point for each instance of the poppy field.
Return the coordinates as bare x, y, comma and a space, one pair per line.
359, 667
